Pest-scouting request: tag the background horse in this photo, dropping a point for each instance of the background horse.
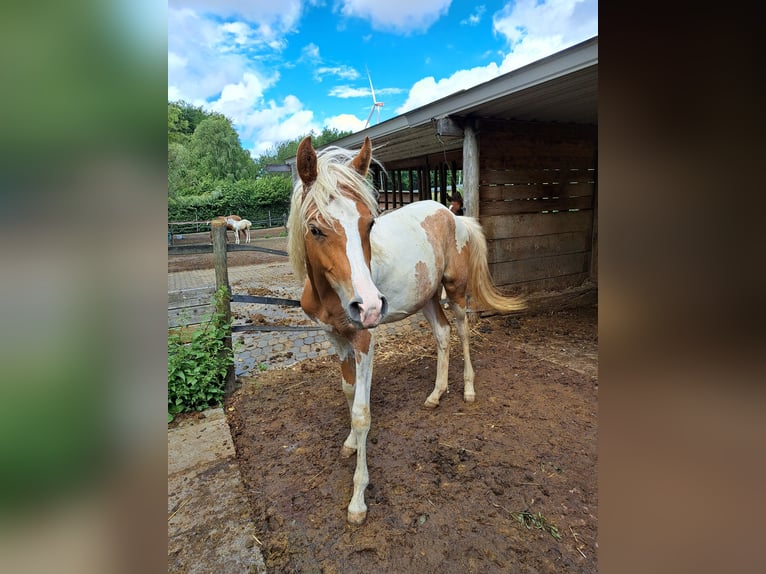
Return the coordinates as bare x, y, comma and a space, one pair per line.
229, 220
360, 270
241, 225
456, 203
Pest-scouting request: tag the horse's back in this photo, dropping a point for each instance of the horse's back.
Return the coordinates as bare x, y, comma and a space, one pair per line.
407, 258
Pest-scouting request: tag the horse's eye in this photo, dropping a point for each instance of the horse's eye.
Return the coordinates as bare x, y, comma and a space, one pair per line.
315, 231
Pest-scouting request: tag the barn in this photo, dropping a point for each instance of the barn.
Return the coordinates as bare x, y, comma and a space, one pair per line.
521, 149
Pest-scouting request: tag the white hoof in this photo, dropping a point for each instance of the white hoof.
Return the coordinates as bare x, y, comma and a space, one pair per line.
430, 403
356, 517
469, 397
346, 451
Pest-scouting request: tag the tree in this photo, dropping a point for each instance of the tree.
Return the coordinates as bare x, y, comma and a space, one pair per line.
289, 148
215, 149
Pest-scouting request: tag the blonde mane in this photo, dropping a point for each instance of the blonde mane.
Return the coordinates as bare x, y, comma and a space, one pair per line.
335, 178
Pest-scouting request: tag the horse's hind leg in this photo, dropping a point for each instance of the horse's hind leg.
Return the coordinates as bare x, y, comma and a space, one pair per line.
455, 285
461, 322
440, 326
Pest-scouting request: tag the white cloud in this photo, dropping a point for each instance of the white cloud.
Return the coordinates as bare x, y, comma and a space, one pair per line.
345, 72
238, 99
345, 122
281, 16
475, 18
428, 89
349, 92
273, 123
533, 30
397, 15
310, 51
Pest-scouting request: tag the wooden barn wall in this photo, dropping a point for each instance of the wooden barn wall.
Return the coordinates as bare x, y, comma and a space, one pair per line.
537, 192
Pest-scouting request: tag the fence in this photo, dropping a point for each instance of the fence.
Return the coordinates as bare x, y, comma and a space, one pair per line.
195, 306
176, 229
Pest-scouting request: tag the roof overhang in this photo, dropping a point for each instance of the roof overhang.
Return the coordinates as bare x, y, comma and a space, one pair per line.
562, 87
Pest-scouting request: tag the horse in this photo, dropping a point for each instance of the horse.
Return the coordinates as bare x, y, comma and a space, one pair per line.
359, 270
230, 221
456, 203
241, 225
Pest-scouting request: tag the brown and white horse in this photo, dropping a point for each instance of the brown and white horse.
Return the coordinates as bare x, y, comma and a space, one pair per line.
230, 220
360, 270
241, 225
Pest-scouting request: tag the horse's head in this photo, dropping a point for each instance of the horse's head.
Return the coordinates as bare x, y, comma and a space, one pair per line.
337, 211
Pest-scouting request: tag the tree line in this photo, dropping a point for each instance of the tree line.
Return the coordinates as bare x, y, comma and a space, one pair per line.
210, 173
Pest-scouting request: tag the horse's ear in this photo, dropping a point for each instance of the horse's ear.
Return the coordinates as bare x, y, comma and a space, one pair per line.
361, 163
307, 163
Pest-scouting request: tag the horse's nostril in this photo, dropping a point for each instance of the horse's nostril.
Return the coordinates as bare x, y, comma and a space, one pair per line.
355, 309
383, 306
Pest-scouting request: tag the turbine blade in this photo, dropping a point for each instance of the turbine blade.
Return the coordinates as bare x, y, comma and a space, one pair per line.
367, 123
374, 101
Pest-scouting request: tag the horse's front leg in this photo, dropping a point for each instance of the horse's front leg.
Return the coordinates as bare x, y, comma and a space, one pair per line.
356, 366
441, 329
360, 423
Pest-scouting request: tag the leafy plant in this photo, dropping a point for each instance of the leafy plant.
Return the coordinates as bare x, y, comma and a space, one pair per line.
537, 521
197, 367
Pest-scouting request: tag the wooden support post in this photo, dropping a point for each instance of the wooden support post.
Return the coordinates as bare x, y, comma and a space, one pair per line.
218, 228
470, 172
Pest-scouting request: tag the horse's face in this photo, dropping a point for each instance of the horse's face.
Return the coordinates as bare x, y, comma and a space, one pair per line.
338, 251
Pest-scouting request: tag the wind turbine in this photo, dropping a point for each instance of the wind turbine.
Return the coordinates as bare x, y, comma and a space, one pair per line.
375, 103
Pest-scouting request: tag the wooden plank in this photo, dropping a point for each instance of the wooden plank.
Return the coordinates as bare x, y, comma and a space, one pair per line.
544, 129
516, 248
526, 224
552, 174
502, 145
190, 315
247, 247
196, 248
535, 205
201, 248
525, 191
535, 191
511, 272
265, 300
550, 284
190, 297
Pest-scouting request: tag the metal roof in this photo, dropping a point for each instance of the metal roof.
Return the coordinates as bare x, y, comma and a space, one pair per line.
562, 87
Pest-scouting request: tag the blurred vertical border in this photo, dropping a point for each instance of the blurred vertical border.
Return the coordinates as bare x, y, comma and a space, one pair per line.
83, 287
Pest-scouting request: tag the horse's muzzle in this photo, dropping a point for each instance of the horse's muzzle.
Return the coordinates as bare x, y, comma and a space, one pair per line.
369, 315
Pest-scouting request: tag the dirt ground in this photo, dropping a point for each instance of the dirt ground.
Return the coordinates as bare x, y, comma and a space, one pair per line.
506, 484
234, 258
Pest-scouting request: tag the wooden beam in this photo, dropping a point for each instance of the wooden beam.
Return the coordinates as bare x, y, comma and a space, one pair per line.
470, 172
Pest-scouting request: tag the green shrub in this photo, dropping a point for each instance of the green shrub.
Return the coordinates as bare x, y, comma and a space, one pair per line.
197, 368
251, 199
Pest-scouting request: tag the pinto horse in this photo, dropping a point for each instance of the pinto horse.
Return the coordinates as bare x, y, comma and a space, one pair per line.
241, 225
360, 270
230, 220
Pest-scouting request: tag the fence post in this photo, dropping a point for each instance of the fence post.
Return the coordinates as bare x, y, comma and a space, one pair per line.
218, 228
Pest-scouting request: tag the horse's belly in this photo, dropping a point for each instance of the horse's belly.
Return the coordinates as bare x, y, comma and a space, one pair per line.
406, 291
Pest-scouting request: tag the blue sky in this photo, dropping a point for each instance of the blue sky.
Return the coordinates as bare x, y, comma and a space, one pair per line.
282, 68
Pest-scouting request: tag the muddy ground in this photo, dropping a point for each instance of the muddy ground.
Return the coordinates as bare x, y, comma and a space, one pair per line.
507, 484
